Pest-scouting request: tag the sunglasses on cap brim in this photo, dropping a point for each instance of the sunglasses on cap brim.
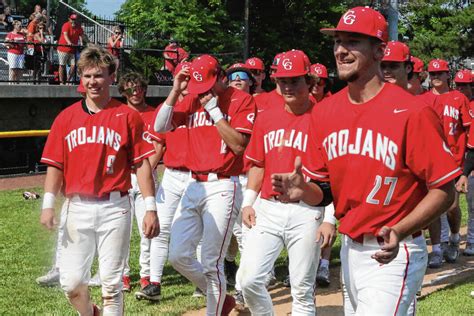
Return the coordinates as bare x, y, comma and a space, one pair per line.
240, 74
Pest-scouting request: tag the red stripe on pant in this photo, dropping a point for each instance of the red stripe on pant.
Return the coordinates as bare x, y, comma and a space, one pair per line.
404, 278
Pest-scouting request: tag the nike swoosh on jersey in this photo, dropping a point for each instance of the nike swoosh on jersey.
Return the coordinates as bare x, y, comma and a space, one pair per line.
396, 111
232, 100
119, 114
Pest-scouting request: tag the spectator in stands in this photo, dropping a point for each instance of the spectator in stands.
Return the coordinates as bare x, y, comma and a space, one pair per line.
40, 54
15, 42
8, 19
3, 5
115, 43
35, 12
33, 27
72, 35
174, 54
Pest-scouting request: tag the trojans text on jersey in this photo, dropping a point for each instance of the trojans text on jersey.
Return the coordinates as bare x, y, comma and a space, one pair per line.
292, 138
365, 143
93, 135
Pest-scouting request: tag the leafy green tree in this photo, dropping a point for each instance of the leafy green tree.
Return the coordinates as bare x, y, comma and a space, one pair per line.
438, 29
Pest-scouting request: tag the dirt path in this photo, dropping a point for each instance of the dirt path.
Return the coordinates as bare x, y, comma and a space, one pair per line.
23, 182
329, 300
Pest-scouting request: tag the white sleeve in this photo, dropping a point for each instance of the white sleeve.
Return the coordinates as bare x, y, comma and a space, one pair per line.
164, 118
329, 214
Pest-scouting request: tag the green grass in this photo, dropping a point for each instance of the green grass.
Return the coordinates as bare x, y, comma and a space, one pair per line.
26, 250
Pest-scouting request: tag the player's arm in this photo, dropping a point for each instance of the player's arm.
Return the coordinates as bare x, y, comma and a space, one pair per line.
155, 159
254, 184
52, 185
462, 183
151, 225
164, 117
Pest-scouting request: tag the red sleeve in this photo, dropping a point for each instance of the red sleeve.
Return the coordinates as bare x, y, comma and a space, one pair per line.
243, 118
465, 111
315, 160
53, 152
140, 147
66, 27
427, 154
255, 151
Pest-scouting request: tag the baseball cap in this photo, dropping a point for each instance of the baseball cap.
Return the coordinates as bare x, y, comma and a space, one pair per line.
396, 51
319, 70
361, 20
203, 74
73, 16
437, 65
418, 64
463, 76
180, 66
292, 64
255, 63
276, 60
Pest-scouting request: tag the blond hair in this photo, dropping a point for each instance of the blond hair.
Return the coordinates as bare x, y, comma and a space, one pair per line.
96, 56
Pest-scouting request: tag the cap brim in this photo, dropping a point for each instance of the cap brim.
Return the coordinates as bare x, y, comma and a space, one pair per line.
288, 75
199, 88
333, 32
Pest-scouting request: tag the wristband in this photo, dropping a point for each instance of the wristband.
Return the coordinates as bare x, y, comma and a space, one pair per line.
48, 200
150, 203
216, 114
250, 196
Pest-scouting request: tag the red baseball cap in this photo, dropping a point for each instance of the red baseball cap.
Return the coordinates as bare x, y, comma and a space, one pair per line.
418, 64
319, 70
396, 51
203, 74
361, 20
255, 63
276, 60
437, 65
294, 63
73, 16
463, 76
180, 66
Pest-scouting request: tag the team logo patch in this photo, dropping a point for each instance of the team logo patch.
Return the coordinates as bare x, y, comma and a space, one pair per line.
197, 76
446, 149
318, 71
460, 75
436, 64
251, 117
349, 17
146, 137
387, 51
252, 62
287, 64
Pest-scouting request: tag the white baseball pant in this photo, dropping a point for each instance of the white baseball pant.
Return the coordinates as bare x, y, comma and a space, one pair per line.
88, 225
172, 187
375, 289
207, 210
470, 208
278, 225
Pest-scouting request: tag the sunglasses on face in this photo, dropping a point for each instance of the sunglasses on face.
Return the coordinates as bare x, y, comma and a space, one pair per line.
240, 74
321, 82
132, 90
256, 72
117, 33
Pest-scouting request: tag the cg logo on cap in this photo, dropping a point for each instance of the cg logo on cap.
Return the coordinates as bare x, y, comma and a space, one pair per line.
460, 75
387, 51
318, 70
287, 64
197, 76
252, 62
349, 18
436, 64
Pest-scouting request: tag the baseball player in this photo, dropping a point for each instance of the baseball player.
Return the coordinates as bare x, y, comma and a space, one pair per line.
219, 120
280, 135
175, 180
322, 87
133, 87
90, 151
390, 171
257, 68
453, 109
418, 77
463, 80
267, 99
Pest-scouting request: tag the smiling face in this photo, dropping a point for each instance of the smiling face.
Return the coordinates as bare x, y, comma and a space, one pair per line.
396, 73
356, 56
96, 81
295, 90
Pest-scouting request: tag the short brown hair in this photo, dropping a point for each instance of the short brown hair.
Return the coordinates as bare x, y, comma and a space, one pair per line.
132, 77
96, 56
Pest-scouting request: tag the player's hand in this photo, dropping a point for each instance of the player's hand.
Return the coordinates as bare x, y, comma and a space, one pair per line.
208, 100
461, 185
180, 81
151, 225
390, 248
48, 218
248, 216
290, 185
326, 234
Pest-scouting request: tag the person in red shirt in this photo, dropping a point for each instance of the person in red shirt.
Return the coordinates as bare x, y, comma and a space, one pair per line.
419, 76
219, 120
72, 35
115, 44
15, 42
390, 171
257, 68
322, 87
174, 54
90, 152
280, 135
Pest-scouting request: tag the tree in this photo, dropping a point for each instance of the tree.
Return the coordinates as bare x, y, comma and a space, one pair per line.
438, 29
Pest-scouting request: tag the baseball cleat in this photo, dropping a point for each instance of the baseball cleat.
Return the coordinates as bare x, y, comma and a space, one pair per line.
152, 292
126, 283
230, 270
229, 304
51, 278
270, 280
239, 301
452, 252
286, 281
469, 250
322, 277
435, 260
198, 293
144, 282
95, 281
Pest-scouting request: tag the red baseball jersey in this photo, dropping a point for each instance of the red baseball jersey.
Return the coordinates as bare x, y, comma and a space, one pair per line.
381, 157
96, 152
470, 139
74, 33
148, 117
266, 100
207, 150
429, 97
453, 110
278, 138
